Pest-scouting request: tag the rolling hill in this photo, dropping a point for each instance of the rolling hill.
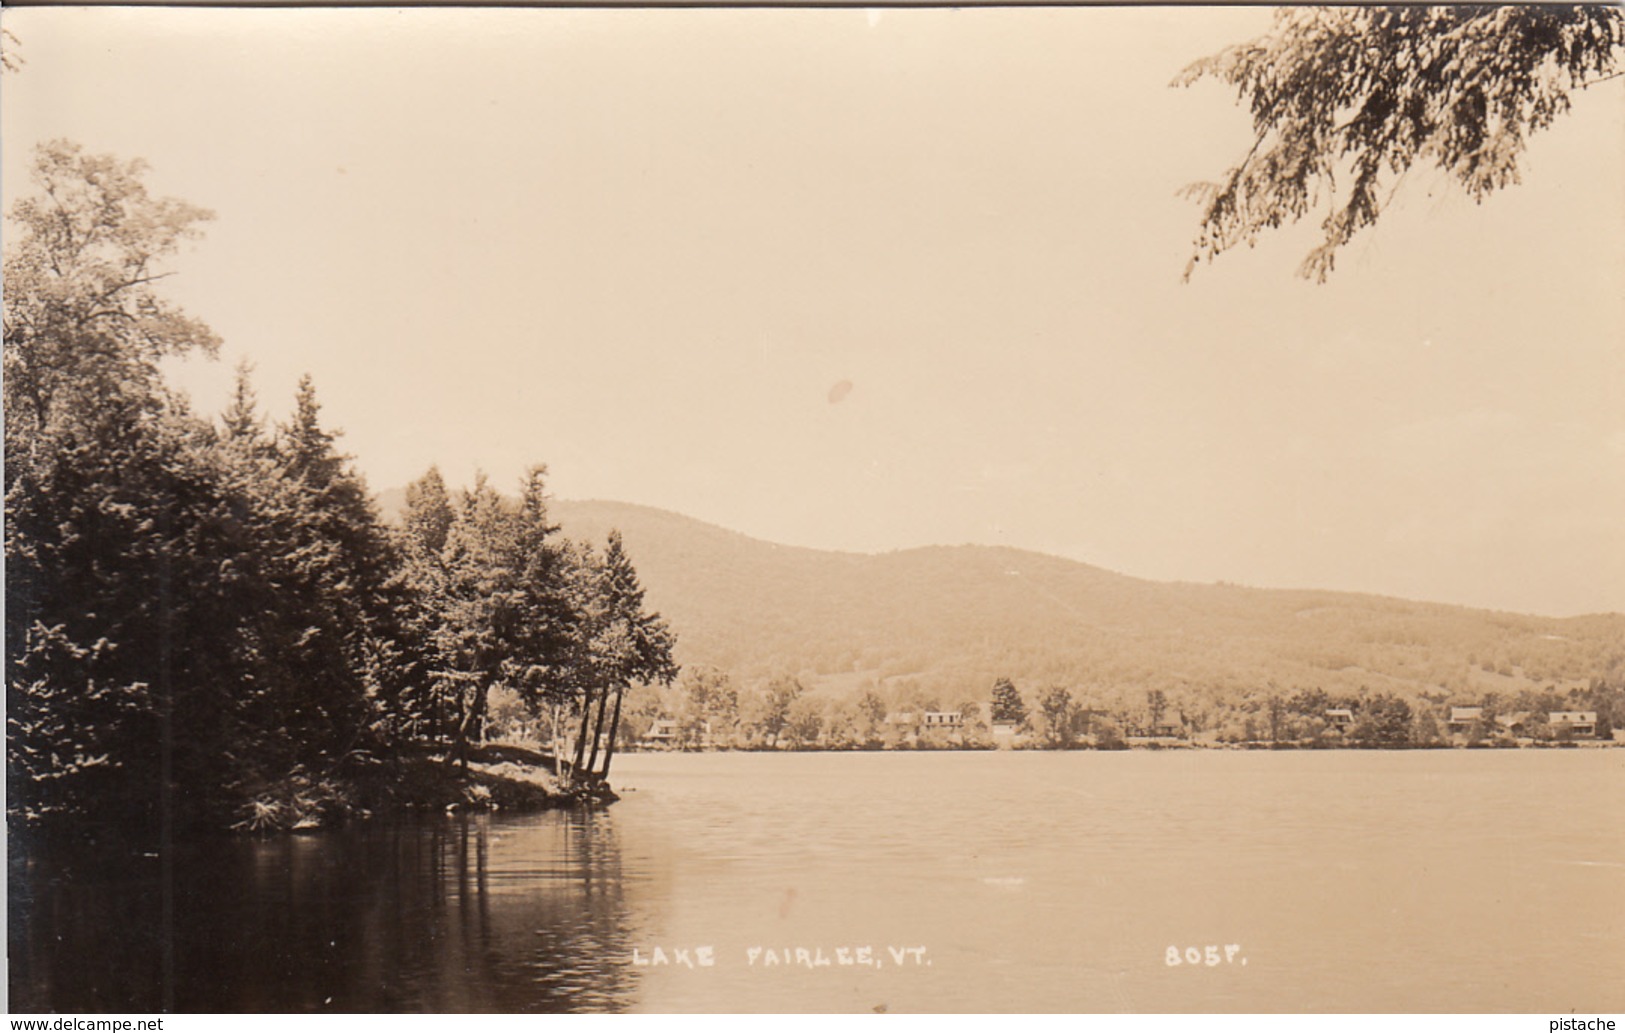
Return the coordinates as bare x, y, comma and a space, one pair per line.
955, 618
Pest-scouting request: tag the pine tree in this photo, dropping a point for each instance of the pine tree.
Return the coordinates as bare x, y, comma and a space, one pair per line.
428, 514
541, 669
241, 422
480, 609
426, 523
346, 566
1008, 706
617, 643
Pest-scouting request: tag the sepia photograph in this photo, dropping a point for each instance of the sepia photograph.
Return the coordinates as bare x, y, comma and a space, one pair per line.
1020, 510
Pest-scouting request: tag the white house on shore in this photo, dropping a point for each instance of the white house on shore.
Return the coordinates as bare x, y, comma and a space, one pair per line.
1340, 718
663, 732
1462, 719
1576, 722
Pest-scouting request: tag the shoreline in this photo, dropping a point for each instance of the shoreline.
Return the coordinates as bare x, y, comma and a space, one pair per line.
1151, 746
514, 778
495, 777
414, 781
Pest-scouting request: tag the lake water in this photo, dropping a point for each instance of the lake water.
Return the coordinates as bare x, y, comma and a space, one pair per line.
1037, 882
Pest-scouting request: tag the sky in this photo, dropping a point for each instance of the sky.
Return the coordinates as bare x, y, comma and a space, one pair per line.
869, 280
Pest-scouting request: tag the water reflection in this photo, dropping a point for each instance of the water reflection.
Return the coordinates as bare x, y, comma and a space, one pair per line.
1349, 881
442, 914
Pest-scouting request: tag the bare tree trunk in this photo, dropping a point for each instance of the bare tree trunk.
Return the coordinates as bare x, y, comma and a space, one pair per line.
598, 731
581, 737
614, 726
476, 722
558, 760
459, 728
473, 712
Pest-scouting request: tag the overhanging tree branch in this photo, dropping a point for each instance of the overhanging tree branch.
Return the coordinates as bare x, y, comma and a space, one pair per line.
1379, 90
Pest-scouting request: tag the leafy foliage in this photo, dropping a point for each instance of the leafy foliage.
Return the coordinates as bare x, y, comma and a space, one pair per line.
107, 488
772, 710
205, 621
1384, 720
1059, 713
84, 326
1345, 101
10, 60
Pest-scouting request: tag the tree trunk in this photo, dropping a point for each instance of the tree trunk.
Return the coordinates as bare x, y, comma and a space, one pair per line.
558, 759
598, 731
476, 721
581, 737
614, 726
455, 749
473, 713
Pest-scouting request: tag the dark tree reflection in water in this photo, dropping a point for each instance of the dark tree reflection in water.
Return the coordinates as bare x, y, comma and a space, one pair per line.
439, 915
1347, 881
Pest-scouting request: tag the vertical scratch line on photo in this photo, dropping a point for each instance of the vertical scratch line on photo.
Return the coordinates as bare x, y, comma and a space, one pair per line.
1120, 993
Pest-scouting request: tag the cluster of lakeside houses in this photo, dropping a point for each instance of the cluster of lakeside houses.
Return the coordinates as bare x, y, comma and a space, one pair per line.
1576, 724
666, 732
908, 726
948, 727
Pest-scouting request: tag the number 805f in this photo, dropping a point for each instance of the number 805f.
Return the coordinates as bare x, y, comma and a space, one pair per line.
1209, 955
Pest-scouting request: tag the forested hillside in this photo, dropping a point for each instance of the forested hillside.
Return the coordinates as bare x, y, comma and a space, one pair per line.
955, 618
952, 619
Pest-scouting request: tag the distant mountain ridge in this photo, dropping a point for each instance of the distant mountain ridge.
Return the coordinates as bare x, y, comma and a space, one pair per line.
956, 617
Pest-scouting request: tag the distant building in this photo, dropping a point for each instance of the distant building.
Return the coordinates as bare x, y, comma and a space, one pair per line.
1462, 719
1578, 722
942, 719
1340, 718
663, 732
1515, 724
1169, 726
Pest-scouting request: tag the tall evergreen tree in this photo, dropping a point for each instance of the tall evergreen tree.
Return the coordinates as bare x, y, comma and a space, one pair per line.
428, 515
241, 421
426, 523
347, 566
492, 597
1008, 706
617, 643
540, 669
480, 609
